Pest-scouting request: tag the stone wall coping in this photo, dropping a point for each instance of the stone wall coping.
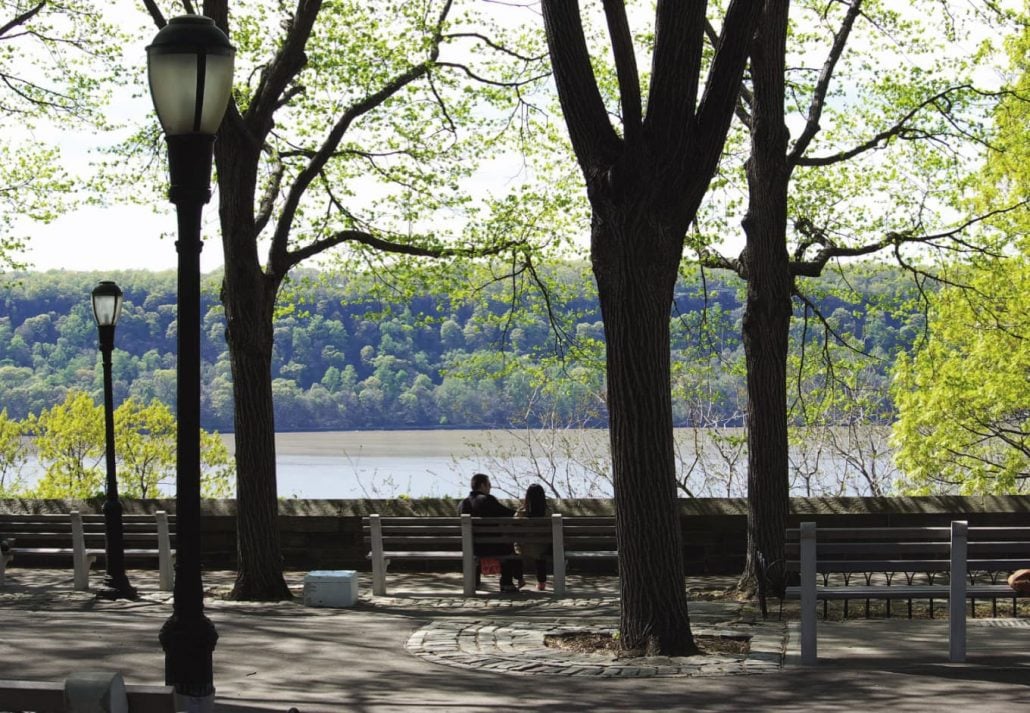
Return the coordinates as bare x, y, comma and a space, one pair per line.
700, 507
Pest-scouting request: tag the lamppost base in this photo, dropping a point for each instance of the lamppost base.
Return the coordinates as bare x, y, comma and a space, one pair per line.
195, 704
117, 588
188, 642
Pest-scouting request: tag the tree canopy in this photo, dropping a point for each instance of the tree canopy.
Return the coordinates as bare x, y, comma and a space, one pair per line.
963, 413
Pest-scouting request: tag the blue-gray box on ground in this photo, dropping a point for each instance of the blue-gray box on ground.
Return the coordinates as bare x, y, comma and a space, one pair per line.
331, 588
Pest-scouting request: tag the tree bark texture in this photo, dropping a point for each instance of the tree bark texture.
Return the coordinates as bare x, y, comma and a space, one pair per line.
248, 295
636, 267
767, 313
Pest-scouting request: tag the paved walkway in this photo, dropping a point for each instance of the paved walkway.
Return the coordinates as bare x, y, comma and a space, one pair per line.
427, 647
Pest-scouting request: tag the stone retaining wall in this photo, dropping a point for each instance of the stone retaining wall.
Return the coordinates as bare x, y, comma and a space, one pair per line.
326, 534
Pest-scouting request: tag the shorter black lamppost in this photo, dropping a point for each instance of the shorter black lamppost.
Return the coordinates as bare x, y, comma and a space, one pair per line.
190, 66
107, 306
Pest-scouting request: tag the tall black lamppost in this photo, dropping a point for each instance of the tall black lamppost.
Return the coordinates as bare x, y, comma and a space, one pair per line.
107, 305
190, 65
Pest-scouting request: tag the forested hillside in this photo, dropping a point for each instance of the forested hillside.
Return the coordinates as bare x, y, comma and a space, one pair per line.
346, 361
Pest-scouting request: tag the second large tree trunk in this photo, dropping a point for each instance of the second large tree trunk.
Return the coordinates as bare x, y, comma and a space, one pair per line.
248, 295
259, 567
636, 269
767, 313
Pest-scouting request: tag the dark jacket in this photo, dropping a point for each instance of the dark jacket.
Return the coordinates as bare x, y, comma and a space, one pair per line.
484, 505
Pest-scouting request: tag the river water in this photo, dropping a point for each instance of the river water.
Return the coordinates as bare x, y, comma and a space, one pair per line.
572, 462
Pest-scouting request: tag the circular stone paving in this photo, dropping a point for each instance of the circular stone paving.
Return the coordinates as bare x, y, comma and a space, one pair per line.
518, 648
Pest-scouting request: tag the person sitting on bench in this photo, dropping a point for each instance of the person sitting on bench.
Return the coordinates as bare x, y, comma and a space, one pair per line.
480, 503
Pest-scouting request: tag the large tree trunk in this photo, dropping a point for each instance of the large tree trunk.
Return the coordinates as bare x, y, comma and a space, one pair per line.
636, 265
644, 188
767, 312
259, 566
248, 295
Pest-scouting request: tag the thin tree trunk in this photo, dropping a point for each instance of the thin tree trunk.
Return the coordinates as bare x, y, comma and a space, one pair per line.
767, 312
259, 566
248, 295
636, 274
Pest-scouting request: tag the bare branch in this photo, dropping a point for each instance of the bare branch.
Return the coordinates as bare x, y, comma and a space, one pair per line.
500, 48
593, 138
898, 130
815, 108
625, 68
830, 250
19, 20
486, 80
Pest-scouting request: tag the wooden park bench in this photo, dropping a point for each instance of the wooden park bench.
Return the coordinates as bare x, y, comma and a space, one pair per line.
49, 697
903, 563
53, 539
454, 539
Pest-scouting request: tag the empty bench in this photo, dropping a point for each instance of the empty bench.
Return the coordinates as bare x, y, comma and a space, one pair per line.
909, 560
54, 539
454, 539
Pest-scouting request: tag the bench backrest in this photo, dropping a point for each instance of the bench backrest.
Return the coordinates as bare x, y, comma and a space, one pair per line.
911, 549
998, 549
55, 530
418, 533
590, 533
506, 530
874, 549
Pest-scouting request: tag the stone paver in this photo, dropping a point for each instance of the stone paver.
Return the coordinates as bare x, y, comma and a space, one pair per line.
517, 647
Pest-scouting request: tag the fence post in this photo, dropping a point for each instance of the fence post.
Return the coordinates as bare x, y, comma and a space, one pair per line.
468, 558
957, 593
164, 551
809, 652
80, 561
558, 554
378, 558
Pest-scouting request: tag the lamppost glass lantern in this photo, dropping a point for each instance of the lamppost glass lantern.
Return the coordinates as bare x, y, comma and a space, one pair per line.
107, 304
190, 66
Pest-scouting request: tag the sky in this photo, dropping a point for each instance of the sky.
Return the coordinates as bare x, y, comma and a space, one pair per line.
116, 237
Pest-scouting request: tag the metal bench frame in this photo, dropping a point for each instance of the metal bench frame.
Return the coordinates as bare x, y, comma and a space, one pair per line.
875, 541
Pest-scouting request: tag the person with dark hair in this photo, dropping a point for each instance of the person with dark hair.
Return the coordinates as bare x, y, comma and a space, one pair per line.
480, 503
534, 505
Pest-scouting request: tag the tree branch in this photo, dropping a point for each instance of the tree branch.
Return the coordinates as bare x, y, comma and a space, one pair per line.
815, 108
281, 71
625, 68
500, 48
593, 138
722, 87
485, 80
898, 130
379, 244
19, 20
747, 99
830, 250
